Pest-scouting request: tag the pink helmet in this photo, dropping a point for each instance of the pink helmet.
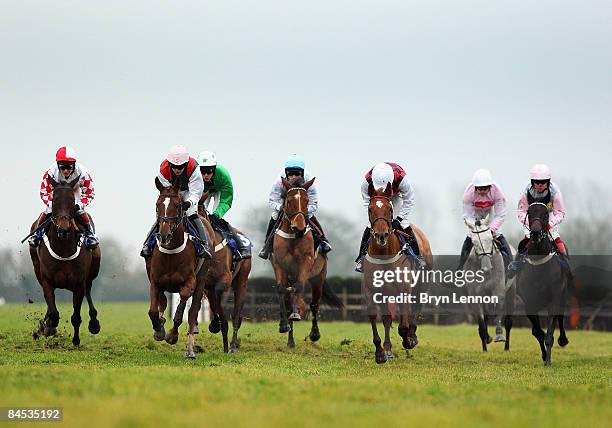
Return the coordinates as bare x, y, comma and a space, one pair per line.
540, 172
65, 154
178, 155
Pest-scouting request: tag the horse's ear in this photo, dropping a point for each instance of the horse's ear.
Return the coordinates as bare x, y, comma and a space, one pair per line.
486, 220
469, 224
387, 191
74, 182
52, 182
158, 184
286, 183
309, 183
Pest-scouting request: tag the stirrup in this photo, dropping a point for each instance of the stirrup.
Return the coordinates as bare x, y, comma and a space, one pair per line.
359, 265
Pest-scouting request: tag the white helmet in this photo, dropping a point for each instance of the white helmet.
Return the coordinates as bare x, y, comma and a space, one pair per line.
178, 155
540, 172
382, 174
207, 159
482, 177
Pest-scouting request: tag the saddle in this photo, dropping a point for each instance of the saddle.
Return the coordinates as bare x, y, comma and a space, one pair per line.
223, 227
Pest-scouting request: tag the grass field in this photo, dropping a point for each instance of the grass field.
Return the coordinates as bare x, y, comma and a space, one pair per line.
122, 377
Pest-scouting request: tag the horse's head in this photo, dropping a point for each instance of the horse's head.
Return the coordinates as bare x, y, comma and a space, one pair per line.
482, 239
296, 204
537, 218
380, 214
62, 210
169, 210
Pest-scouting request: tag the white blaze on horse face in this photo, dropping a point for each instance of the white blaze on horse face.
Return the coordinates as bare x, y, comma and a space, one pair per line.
379, 204
166, 204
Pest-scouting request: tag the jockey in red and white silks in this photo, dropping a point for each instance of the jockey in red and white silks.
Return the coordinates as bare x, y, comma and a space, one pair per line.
402, 196
65, 170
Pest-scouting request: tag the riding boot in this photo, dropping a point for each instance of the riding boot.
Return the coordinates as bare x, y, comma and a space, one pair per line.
325, 247
265, 251
504, 248
562, 251
465, 252
39, 232
363, 249
85, 226
203, 250
413, 249
515, 267
243, 251
149, 243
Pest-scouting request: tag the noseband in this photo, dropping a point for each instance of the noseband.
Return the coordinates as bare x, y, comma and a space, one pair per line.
537, 236
300, 209
178, 218
488, 254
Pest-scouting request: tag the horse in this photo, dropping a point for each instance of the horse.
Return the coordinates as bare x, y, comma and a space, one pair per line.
385, 248
62, 262
172, 267
541, 283
218, 278
296, 263
486, 258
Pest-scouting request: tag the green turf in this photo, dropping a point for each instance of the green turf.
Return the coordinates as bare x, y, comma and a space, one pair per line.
122, 377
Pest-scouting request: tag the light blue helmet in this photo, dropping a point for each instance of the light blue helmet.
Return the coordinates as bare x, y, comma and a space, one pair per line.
294, 162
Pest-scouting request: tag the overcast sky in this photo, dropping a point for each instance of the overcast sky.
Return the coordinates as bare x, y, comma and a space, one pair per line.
441, 87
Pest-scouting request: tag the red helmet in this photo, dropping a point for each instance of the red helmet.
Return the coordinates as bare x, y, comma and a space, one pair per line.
65, 154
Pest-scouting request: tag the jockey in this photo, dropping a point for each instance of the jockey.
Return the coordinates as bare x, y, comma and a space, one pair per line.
377, 178
484, 197
541, 189
179, 165
294, 169
64, 170
218, 184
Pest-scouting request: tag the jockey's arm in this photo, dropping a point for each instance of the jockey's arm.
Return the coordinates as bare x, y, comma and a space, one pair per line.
276, 196
313, 201
557, 214
365, 196
87, 189
500, 210
407, 195
469, 212
521, 212
46, 191
196, 188
223, 183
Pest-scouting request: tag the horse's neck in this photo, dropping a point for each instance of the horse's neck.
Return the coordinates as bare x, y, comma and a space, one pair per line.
542, 249
178, 238
285, 226
62, 247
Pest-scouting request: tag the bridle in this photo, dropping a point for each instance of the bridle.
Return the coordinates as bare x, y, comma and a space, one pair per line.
300, 209
385, 219
536, 236
55, 219
486, 253
177, 218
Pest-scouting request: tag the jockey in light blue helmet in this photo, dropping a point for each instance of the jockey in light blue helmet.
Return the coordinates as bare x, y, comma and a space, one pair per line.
294, 172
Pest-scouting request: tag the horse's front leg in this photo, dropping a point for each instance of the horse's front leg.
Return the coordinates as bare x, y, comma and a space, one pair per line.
379, 354
219, 289
75, 319
158, 328
51, 320
239, 285
562, 340
297, 295
94, 324
185, 293
538, 333
192, 318
483, 332
281, 287
387, 320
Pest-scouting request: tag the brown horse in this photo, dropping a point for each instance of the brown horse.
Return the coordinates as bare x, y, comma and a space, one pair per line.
384, 253
61, 262
172, 268
218, 279
296, 263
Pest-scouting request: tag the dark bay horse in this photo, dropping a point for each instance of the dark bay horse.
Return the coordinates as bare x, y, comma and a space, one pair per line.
384, 254
541, 283
218, 278
172, 268
62, 262
296, 263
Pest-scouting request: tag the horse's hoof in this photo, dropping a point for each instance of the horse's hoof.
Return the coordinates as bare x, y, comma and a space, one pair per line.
412, 342
49, 331
215, 326
76, 341
295, 317
284, 328
547, 363
233, 349
94, 327
389, 354
499, 338
562, 341
190, 354
290, 345
381, 358
315, 336
171, 338
159, 335
489, 339
196, 330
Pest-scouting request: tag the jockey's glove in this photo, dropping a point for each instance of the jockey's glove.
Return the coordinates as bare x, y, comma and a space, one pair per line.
185, 205
396, 223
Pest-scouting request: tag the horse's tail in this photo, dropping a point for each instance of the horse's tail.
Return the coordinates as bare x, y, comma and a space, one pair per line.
330, 298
